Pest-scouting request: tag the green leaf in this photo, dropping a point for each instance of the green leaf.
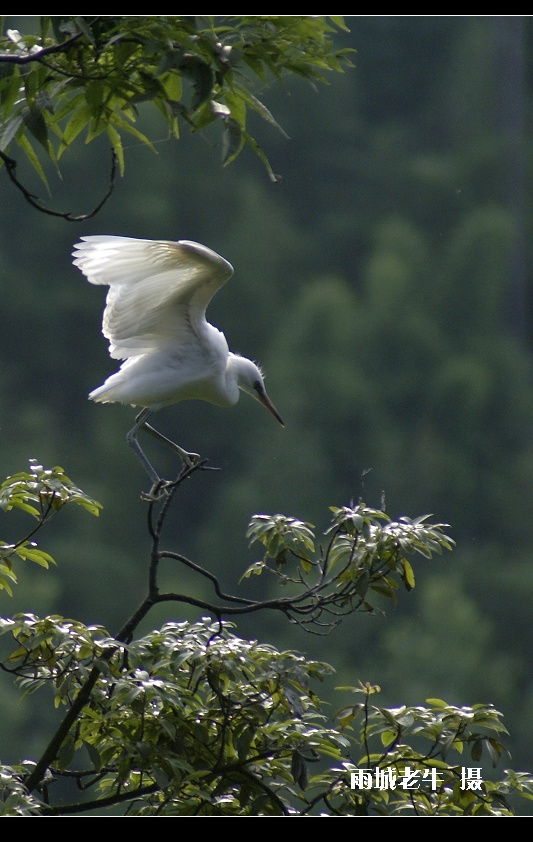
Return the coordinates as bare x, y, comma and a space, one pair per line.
257, 106
254, 569
172, 85
17, 502
408, 574
35, 555
10, 88
127, 127
388, 737
202, 78
477, 750
35, 122
9, 131
79, 120
338, 20
27, 148
94, 755
232, 141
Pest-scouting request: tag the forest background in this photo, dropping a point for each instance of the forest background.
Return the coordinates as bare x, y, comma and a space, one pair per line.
384, 285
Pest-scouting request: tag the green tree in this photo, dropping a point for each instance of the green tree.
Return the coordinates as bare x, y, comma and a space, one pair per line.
192, 720
86, 77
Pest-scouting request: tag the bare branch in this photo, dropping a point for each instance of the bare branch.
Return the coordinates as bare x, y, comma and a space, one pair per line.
11, 168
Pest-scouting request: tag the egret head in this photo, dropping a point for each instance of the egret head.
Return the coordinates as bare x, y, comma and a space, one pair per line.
250, 380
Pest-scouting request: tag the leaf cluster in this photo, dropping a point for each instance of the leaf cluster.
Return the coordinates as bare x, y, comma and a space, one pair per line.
89, 76
366, 555
192, 720
40, 492
407, 747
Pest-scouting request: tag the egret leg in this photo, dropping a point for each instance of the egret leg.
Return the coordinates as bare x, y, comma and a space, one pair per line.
190, 459
134, 444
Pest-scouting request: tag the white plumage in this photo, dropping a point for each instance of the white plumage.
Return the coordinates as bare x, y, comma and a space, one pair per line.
155, 321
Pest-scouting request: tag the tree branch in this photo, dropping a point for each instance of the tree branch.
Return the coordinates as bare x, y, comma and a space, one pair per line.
14, 58
11, 168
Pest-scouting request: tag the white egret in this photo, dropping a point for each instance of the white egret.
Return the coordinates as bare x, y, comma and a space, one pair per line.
155, 321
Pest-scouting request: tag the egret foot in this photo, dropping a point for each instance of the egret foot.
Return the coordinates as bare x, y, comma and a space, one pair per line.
190, 460
158, 492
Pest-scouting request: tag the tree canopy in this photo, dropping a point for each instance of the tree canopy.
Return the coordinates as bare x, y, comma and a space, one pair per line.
192, 720
84, 77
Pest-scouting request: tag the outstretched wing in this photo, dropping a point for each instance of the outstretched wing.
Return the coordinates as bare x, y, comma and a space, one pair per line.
158, 290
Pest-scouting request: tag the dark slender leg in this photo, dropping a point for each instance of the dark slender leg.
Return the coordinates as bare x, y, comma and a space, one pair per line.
190, 459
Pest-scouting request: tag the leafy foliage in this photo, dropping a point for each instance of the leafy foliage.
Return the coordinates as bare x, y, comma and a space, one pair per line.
89, 76
41, 492
192, 720
366, 552
410, 764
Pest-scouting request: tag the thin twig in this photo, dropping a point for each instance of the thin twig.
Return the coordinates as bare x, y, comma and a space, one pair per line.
11, 168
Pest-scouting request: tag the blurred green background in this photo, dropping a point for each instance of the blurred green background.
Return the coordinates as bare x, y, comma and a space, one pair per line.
384, 286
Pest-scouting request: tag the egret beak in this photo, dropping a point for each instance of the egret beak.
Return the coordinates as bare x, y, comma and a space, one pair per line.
267, 403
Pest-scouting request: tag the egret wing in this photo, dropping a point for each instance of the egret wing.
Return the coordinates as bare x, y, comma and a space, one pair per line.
158, 289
